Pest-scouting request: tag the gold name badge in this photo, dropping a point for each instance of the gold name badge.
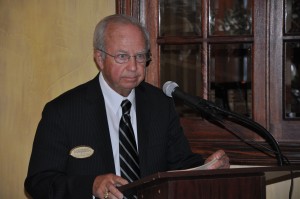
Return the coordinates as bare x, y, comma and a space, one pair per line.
82, 152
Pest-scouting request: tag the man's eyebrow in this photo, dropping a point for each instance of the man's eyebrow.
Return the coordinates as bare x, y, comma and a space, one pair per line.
126, 52
142, 52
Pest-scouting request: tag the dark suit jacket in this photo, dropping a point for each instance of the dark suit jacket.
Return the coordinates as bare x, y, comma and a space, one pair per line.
78, 117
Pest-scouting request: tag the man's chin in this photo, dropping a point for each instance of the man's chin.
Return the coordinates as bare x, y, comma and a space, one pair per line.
131, 83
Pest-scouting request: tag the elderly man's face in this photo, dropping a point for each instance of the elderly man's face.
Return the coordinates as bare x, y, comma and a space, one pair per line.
122, 39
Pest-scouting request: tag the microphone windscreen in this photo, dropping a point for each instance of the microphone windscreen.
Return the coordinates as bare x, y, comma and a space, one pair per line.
169, 87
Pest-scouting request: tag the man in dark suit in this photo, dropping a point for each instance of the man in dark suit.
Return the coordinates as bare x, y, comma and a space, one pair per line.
76, 148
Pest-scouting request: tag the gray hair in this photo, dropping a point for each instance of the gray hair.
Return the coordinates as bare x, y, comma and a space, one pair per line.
99, 34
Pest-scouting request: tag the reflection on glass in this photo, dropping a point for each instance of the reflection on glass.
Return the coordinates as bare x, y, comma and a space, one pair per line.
230, 68
182, 64
292, 79
180, 17
292, 16
230, 17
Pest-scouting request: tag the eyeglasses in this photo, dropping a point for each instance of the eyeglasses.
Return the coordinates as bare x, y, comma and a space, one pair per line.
122, 58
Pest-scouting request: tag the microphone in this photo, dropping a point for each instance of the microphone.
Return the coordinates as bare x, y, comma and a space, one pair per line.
214, 112
171, 89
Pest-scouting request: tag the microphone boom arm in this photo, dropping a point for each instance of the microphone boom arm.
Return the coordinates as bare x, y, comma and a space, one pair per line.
244, 120
212, 111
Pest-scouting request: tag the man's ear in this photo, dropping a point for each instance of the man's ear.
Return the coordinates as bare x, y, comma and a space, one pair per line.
98, 59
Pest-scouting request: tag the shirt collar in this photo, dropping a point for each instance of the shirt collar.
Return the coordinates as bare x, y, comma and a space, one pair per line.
112, 98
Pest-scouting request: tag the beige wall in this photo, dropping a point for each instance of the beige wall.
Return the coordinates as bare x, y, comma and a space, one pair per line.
280, 190
45, 49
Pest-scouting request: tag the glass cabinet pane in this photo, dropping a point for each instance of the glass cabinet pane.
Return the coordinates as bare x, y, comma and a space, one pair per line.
180, 17
230, 17
182, 64
292, 79
292, 16
230, 77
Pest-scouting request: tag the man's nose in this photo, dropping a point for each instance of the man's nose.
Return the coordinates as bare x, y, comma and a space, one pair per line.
132, 63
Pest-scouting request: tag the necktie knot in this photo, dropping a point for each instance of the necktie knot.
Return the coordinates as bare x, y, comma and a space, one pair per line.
126, 105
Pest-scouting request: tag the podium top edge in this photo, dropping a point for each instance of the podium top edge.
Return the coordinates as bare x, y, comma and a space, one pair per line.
268, 171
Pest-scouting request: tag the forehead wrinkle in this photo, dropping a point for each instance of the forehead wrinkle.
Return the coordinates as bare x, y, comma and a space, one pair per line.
124, 41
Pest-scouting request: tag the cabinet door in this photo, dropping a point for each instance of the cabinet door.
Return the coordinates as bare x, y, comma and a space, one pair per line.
241, 55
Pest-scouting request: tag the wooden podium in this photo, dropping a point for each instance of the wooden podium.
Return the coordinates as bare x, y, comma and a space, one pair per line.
234, 183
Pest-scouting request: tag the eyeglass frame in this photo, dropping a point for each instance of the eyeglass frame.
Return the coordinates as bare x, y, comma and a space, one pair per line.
147, 57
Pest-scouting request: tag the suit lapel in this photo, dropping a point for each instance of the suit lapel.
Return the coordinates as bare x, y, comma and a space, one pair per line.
143, 115
98, 121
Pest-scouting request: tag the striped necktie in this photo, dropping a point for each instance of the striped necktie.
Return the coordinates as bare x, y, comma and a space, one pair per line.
129, 160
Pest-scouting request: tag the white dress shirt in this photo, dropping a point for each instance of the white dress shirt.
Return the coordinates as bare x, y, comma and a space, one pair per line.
114, 112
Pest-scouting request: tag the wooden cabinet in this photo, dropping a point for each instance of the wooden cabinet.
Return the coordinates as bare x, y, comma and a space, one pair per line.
243, 55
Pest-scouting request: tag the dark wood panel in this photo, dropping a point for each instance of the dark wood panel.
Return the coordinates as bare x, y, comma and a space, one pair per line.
244, 154
128, 7
198, 39
244, 146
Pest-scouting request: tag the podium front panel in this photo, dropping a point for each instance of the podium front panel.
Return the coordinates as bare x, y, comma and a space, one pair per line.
219, 187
